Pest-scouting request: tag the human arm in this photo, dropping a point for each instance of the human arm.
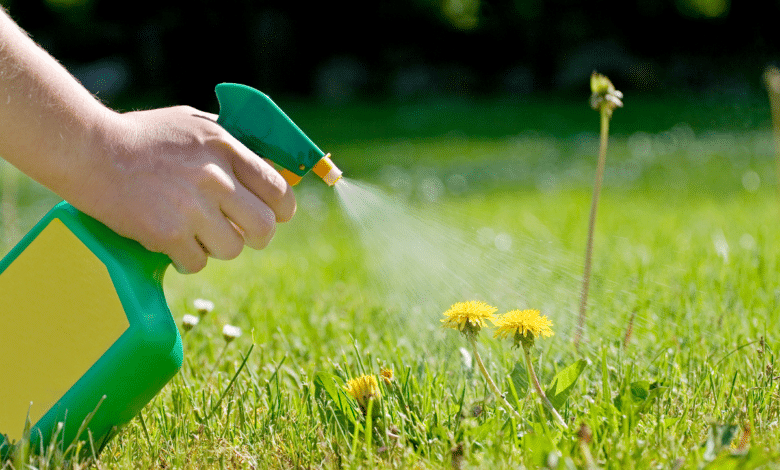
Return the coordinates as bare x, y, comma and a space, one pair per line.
170, 178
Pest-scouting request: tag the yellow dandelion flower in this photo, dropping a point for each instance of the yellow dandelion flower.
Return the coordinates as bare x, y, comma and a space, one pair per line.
518, 323
468, 317
363, 389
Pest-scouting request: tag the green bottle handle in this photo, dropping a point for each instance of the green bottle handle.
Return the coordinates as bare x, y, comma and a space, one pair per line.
256, 121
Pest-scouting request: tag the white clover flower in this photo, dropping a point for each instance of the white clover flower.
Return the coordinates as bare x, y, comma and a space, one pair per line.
230, 332
203, 306
189, 322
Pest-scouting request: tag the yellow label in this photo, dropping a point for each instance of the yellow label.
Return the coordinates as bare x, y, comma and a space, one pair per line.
59, 312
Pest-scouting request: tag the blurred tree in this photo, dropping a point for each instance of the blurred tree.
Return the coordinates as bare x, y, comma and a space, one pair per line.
705, 8
176, 51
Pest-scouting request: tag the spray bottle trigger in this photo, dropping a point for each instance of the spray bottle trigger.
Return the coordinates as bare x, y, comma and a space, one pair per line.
291, 178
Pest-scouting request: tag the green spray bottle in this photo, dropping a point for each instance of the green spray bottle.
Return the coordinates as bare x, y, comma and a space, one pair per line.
87, 338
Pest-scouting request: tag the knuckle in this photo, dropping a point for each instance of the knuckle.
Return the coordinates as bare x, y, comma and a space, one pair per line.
215, 177
170, 235
274, 196
190, 264
263, 231
217, 141
163, 237
230, 250
197, 263
280, 198
287, 208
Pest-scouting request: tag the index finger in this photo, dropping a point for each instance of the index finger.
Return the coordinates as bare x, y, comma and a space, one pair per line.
259, 176
262, 180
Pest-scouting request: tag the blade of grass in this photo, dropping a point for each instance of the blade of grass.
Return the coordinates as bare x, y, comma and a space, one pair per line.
243, 363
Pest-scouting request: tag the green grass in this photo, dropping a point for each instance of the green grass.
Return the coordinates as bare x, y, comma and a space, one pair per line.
687, 256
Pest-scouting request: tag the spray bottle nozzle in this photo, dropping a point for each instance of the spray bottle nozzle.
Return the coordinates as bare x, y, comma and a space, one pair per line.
258, 123
324, 168
327, 170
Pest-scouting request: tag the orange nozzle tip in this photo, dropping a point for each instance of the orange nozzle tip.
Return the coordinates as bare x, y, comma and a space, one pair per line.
327, 170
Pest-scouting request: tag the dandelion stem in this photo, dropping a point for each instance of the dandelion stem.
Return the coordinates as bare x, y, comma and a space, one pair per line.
539, 391
490, 382
605, 116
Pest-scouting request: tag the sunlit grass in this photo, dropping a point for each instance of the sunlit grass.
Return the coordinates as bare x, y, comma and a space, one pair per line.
688, 257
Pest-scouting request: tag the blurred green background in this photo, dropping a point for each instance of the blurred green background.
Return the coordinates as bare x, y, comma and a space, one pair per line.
152, 53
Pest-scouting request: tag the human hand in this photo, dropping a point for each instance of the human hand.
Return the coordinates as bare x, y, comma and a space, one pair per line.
178, 183
172, 178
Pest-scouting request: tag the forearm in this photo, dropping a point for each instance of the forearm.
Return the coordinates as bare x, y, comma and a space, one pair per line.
47, 118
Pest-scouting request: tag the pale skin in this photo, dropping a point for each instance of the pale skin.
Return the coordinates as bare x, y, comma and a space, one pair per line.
171, 178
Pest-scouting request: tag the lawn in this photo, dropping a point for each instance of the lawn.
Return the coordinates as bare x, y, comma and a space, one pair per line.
458, 201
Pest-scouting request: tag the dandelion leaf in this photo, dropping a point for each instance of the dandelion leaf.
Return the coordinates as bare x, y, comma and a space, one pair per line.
563, 382
718, 438
519, 380
325, 386
537, 448
728, 460
478, 433
640, 395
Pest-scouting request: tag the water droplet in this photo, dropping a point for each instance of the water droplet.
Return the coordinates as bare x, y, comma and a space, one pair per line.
486, 235
747, 242
503, 241
465, 358
721, 245
751, 181
431, 188
457, 184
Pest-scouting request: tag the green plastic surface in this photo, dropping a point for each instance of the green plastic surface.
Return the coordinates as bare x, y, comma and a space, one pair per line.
139, 363
258, 123
149, 353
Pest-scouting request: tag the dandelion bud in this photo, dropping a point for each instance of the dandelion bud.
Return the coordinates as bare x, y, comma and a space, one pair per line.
203, 306
386, 374
584, 434
189, 322
600, 84
603, 94
457, 456
230, 332
772, 79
